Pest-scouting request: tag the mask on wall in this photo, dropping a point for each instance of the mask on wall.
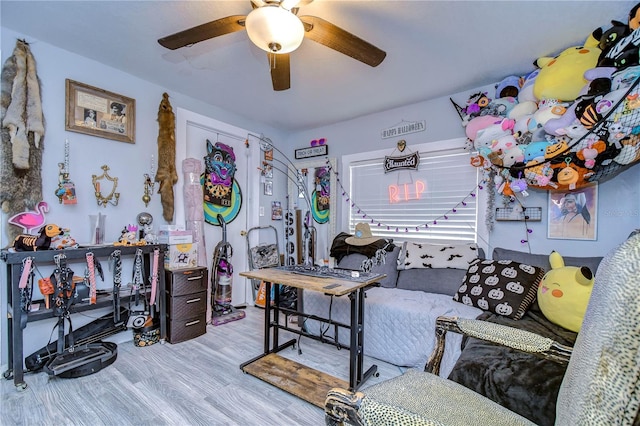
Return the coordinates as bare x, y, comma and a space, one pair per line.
220, 165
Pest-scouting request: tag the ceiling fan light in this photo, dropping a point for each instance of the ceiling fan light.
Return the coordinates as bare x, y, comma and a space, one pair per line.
289, 4
274, 29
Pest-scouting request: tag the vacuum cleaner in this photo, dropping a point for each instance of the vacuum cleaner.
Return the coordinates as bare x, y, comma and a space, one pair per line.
222, 311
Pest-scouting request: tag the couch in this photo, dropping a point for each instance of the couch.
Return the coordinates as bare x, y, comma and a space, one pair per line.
400, 314
514, 378
600, 385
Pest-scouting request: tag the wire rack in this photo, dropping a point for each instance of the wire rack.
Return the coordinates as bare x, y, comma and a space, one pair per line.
618, 129
533, 214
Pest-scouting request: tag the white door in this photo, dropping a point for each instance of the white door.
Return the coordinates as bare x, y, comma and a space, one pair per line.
192, 132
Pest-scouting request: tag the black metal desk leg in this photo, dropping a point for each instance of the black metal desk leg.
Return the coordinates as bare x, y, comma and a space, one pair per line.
373, 370
360, 358
267, 316
360, 378
354, 348
276, 315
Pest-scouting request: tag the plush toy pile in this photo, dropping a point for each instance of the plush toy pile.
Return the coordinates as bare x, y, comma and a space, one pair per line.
573, 120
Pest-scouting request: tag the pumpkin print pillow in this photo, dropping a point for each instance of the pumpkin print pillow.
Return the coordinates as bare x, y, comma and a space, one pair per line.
503, 287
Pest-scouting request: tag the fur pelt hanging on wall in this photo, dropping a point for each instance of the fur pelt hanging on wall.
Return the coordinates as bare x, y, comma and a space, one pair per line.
167, 174
22, 135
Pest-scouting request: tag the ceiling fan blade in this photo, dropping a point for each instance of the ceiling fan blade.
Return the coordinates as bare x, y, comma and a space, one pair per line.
212, 29
280, 71
334, 37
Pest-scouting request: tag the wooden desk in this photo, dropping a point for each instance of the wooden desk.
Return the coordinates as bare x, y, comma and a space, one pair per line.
304, 382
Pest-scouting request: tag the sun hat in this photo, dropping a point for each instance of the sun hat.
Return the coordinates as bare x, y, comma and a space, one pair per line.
362, 236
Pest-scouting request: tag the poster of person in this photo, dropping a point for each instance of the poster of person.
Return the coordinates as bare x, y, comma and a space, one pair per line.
115, 118
573, 215
276, 210
90, 117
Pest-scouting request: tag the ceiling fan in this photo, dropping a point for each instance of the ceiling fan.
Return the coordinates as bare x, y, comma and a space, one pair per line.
273, 26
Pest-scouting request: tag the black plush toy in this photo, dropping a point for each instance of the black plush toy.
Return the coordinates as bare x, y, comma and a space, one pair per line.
609, 38
620, 44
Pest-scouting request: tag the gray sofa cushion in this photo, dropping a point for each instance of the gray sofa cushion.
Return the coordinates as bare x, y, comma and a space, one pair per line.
436, 280
542, 260
389, 267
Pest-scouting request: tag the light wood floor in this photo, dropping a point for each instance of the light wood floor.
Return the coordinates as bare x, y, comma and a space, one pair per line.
197, 382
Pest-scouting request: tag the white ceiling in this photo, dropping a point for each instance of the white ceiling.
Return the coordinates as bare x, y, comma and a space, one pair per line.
434, 49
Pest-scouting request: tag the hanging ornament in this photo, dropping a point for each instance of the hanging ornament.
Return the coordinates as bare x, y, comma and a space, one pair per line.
568, 175
149, 183
66, 191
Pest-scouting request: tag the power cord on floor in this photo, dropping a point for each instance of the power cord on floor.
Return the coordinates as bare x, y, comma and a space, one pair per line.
323, 333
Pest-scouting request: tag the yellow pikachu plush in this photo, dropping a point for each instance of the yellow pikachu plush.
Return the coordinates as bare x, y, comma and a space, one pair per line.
564, 292
562, 77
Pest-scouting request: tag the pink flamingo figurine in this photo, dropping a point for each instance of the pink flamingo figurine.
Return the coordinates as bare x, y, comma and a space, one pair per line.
31, 220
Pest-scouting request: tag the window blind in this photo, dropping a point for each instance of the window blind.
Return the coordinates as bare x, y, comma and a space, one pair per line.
404, 204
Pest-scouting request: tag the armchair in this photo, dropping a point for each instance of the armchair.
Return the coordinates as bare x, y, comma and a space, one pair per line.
601, 384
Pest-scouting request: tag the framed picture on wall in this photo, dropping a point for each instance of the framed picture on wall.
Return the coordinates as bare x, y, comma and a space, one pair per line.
573, 215
96, 112
267, 170
276, 210
268, 188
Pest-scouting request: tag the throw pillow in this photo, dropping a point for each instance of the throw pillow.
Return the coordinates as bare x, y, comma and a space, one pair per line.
503, 287
422, 255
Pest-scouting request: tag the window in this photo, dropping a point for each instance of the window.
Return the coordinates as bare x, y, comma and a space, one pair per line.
396, 203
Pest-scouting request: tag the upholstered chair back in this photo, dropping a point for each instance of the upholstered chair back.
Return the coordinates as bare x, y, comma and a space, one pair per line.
602, 382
